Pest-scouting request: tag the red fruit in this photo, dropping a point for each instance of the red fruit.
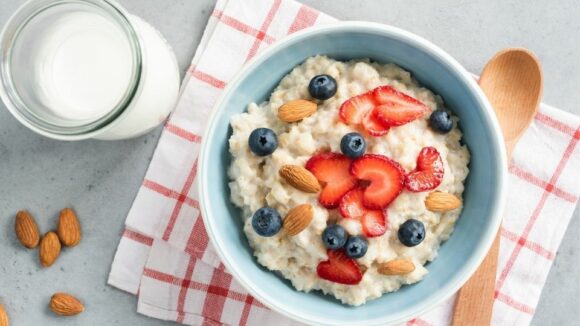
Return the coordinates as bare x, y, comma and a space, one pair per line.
373, 125
386, 179
339, 268
374, 222
353, 110
332, 171
429, 171
396, 108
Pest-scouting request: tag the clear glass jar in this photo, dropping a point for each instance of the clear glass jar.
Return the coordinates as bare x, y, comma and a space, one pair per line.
78, 69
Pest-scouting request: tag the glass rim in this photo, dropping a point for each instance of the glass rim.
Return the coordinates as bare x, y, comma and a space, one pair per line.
24, 15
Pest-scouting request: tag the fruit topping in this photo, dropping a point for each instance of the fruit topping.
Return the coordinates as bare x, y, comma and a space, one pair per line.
334, 236
440, 121
411, 232
429, 171
332, 171
373, 222
263, 141
322, 87
353, 110
353, 145
373, 125
396, 108
266, 222
356, 246
385, 177
339, 268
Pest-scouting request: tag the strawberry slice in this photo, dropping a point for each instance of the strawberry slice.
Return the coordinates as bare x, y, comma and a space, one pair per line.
332, 171
396, 108
373, 125
339, 268
353, 110
386, 179
429, 171
374, 222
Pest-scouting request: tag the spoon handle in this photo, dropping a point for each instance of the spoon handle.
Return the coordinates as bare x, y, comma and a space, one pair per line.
477, 294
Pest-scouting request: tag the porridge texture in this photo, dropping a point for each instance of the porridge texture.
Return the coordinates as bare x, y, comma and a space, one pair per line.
256, 183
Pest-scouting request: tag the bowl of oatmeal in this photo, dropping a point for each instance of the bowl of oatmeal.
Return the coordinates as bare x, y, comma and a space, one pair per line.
352, 173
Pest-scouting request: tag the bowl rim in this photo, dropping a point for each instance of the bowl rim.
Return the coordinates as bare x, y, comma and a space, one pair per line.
417, 41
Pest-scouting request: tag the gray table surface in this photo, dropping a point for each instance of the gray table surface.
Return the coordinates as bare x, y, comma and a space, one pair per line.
100, 179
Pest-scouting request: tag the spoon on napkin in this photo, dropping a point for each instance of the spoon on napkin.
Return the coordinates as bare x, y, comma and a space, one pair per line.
512, 81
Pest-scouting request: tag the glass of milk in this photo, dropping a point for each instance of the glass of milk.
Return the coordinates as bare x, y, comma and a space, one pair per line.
78, 69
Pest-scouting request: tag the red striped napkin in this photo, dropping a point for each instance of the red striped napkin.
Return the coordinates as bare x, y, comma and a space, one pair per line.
164, 256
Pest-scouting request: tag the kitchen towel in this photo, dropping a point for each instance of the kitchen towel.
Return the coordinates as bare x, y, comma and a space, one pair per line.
164, 256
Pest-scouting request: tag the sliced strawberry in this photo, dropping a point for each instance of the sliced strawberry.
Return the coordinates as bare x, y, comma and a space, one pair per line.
429, 171
396, 108
332, 171
386, 179
353, 110
374, 222
339, 268
373, 125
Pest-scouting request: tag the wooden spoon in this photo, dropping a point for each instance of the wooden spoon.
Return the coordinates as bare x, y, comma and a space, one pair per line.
512, 81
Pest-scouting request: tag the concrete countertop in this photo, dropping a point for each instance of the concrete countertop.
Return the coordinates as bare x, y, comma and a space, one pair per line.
100, 179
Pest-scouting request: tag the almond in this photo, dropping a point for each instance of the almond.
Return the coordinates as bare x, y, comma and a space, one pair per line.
300, 178
4, 320
298, 219
26, 230
438, 201
296, 110
69, 229
397, 267
65, 305
49, 249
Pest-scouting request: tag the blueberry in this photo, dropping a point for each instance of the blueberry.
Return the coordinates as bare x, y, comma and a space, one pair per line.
440, 121
334, 236
266, 222
322, 87
353, 145
263, 141
411, 233
356, 246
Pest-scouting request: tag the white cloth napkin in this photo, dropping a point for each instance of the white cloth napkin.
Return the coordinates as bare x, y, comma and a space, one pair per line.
165, 258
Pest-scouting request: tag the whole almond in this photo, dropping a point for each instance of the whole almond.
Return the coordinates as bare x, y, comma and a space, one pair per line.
65, 305
298, 219
4, 320
69, 229
300, 178
296, 110
397, 267
439, 201
49, 249
26, 229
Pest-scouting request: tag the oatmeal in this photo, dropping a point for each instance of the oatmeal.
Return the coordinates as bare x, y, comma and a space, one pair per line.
367, 229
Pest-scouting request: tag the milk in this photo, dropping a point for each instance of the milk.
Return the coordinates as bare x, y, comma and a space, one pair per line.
74, 65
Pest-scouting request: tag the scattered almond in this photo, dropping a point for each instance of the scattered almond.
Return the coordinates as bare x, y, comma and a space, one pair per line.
69, 229
298, 219
439, 201
397, 267
49, 249
26, 230
300, 178
65, 305
4, 320
296, 110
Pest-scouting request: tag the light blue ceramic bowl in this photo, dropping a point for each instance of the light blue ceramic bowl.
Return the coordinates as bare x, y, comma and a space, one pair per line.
484, 194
